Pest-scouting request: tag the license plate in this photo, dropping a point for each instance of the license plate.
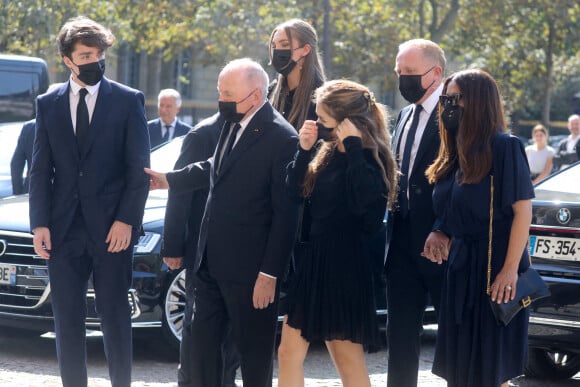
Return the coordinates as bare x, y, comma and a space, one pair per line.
7, 274
566, 249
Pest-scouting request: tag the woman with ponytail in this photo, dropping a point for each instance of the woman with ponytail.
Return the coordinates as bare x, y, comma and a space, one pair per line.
349, 180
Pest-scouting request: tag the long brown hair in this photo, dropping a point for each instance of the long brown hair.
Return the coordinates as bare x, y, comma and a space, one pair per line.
311, 76
347, 99
482, 118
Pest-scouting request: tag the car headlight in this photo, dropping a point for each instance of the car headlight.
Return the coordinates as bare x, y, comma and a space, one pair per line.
147, 243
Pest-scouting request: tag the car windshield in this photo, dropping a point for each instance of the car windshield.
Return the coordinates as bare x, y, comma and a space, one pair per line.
562, 187
163, 158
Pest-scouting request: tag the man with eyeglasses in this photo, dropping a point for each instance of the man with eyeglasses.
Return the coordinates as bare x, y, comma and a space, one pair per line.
412, 226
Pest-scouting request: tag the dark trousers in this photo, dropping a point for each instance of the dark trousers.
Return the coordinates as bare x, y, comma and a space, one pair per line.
70, 267
410, 279
217, 304
230, 354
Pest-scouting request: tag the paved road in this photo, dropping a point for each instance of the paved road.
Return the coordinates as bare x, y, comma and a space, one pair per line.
30, 361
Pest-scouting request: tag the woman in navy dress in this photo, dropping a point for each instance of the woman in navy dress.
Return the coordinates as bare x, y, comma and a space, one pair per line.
472, 349
348, 179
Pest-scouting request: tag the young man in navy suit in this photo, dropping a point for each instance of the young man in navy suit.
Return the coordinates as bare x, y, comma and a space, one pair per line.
167, 126
87, 197
247, 231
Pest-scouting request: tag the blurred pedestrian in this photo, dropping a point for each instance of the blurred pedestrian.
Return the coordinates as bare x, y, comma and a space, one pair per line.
540, 154
167, 126
348, 180
477, 157
87, 198
247, 231
569, 148
21, 158
411, 279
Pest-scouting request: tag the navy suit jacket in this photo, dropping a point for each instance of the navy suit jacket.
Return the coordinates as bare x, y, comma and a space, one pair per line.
421, 214
249, 224
154, 127
184, 210
105, 178
22, 157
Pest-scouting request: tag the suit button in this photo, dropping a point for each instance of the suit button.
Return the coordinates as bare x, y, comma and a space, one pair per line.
81, 173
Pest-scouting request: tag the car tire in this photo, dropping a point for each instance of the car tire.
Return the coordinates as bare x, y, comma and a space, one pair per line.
174, 310
553, 365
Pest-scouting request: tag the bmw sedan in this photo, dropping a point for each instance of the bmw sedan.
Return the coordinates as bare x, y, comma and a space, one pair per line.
554, 332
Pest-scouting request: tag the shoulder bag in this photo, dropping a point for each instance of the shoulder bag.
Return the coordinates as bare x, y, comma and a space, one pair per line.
529, 287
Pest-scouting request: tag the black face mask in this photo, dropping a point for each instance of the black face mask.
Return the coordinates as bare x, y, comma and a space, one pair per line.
411, 88
283, 62
91, 73
324, 133
451, 117
229, 110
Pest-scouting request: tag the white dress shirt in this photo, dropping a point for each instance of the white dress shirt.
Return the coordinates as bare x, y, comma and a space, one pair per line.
90, 99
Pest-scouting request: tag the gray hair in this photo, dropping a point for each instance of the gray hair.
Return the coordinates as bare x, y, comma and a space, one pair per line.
430, 50
169, 93
253, 71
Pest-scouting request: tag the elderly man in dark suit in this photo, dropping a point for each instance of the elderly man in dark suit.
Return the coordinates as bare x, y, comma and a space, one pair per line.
87, 198
167, 126
247, 231
22, 157
420, 66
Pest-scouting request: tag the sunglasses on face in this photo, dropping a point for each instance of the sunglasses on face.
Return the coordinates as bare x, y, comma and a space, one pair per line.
449, 100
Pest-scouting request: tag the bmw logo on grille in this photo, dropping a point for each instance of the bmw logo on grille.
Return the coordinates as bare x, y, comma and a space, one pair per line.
563, 216
3, 245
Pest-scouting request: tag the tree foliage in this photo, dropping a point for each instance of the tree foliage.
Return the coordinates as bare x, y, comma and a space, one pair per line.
530, 46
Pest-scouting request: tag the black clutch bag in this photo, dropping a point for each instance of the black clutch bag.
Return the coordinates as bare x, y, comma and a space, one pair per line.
529, 287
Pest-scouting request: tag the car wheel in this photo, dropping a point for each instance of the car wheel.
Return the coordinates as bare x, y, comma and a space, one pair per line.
545, 364
174, 310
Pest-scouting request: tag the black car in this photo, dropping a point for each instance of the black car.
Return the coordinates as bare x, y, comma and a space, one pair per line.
158, 294
554, 331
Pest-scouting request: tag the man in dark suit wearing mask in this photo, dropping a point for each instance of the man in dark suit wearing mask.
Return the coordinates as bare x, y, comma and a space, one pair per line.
412, 226
87, 198
247, 231
183, 215
167, 126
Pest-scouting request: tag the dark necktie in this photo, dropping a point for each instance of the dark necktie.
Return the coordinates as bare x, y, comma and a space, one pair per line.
82, 118
166, 135
404, 182
230, 144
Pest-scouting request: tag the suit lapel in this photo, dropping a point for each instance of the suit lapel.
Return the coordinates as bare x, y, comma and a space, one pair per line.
430, 135
218, 148
102, 109
66, 129
405, 115
251, 134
